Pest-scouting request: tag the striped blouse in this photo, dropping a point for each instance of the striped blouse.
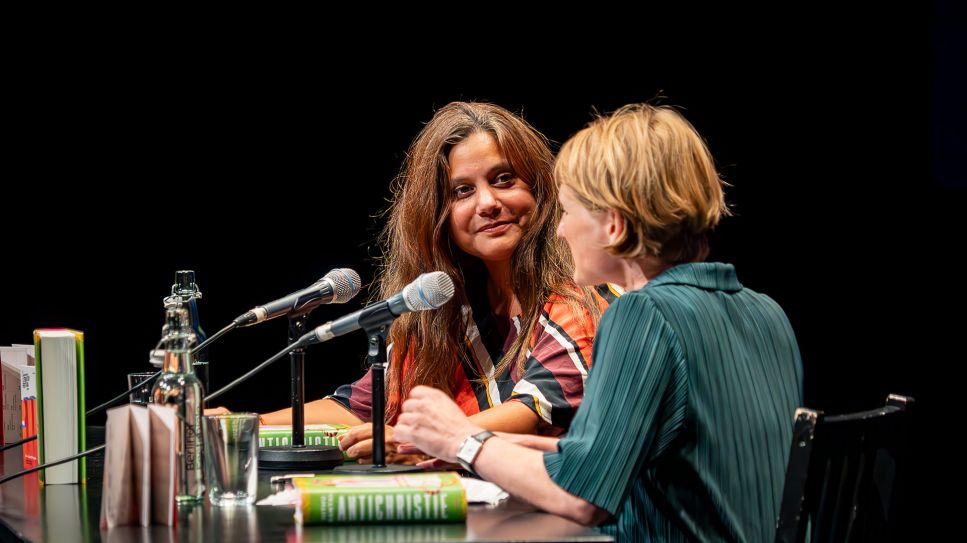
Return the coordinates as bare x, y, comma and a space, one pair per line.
552, 383
686, 425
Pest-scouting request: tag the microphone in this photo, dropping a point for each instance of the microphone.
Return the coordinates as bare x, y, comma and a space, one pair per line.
428, 291
336, 287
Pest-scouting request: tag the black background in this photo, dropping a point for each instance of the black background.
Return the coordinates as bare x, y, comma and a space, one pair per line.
841, 138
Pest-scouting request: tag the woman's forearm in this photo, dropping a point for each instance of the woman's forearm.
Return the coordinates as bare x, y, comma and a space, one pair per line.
531, 441
324, 411
527, 478
513, 417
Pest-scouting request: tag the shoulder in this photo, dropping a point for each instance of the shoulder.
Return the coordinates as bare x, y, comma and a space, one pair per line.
575, 308
637, 314
636, 330
570, 313
639, 303
600, 296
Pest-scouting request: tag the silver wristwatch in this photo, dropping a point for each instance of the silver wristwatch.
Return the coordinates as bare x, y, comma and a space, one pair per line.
470, 448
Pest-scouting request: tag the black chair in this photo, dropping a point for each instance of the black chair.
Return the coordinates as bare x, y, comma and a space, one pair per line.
843, 473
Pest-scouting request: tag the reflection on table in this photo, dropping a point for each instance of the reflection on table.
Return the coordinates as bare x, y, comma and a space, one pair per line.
72, 512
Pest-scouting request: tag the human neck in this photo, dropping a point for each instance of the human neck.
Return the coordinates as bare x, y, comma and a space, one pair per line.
637, 272
500, 292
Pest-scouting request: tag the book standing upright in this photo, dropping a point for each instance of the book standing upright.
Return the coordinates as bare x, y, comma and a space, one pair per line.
19, 399
139, 466
61, 428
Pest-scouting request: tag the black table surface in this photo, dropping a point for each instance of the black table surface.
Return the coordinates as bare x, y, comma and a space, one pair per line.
60, 513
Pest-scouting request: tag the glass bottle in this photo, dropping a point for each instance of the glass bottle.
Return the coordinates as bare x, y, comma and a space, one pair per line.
186, 288
178, 387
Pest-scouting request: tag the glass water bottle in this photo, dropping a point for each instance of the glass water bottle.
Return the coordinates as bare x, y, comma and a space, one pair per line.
186, 289
179, 387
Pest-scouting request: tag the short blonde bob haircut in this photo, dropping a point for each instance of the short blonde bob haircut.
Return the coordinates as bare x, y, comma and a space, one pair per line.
650, 165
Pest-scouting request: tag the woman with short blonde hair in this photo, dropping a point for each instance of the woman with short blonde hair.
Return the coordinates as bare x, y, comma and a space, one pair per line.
662, 181
686, 422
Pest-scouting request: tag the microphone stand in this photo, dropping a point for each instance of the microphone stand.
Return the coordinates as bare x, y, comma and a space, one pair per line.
378, 360
298, 456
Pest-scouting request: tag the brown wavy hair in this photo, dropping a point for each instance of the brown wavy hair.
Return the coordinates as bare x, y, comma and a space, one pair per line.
417, 239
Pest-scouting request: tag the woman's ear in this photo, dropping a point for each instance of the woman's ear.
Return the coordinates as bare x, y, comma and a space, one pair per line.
614, 225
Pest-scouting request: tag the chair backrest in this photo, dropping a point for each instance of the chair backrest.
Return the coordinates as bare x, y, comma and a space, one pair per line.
842, 474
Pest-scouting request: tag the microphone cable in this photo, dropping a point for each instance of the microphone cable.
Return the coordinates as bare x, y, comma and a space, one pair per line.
52, 463
121, 396
100, 448
353, 285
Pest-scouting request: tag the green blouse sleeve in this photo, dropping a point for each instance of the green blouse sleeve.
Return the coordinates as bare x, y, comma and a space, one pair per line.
634, 405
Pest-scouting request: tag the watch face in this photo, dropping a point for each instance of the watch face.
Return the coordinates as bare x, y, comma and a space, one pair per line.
468, 452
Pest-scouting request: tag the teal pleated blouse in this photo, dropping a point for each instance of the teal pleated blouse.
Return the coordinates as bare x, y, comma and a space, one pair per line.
688, 410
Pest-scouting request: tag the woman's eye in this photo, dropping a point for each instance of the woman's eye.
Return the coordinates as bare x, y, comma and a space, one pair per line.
462, 191
504, 179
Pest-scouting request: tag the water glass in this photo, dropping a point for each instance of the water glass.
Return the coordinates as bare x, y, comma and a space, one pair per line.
142, 394
231, 457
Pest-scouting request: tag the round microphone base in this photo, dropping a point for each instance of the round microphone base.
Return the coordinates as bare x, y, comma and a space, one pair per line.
369, 468
316, 457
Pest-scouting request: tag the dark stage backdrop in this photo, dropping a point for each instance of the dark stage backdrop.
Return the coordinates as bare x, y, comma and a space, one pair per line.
261, 181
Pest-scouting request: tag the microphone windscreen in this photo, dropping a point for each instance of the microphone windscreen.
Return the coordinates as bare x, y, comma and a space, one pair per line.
345, 284
429, 291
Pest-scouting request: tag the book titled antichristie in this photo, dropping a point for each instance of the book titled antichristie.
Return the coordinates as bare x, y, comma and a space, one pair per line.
390, 498
271, 435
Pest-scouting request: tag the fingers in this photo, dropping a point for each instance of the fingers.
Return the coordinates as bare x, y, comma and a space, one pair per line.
422, 391
407, 459
437, 464
363, 432
405, 426
355, 435
363, 453
408, 448
217, 411
419, 391
364, 449
357, 442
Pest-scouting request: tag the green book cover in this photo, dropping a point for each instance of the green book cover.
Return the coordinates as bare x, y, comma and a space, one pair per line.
61, 413
315, 434
384, 498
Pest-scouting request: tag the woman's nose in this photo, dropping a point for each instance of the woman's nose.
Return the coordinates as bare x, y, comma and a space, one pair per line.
487, 201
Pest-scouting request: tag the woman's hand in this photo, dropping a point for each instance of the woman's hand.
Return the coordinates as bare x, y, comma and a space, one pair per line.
357, 442
217, 411
434, 423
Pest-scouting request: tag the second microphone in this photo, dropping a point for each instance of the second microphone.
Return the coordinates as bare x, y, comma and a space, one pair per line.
428, 291
336, 287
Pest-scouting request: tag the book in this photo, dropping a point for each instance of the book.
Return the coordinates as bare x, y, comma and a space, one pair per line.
280, 435
139, 466
61, 428
20, 408
28, 415
390, 498
15, 361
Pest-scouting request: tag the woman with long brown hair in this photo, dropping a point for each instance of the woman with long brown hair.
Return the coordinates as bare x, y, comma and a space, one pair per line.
685, 428
475, 198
